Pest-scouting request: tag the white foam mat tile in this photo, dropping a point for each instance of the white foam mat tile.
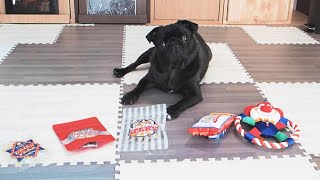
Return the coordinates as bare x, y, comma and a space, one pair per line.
28, 112
5, 49
300, 103
135, 43
30, 33
278, 35
224, 67
250, 169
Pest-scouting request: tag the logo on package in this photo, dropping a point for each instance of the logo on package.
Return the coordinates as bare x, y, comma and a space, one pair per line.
24, 149
143, 128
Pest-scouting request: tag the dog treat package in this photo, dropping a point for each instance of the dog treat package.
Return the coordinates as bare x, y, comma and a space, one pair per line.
83, 134
213, 125
143, 129
24, 149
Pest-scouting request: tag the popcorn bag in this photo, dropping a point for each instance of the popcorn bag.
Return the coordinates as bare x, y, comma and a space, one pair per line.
83, 134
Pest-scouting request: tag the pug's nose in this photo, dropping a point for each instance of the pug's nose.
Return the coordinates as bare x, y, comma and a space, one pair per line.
173, 43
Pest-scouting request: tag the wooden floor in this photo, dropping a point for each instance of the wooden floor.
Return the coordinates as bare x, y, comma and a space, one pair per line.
298, 18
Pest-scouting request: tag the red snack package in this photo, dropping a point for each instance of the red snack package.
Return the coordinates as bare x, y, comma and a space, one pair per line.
81, 134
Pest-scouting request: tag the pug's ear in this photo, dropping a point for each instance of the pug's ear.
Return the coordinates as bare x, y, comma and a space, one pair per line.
193, 27
151, 36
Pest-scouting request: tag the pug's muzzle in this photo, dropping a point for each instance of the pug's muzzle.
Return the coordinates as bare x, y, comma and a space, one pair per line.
177, 56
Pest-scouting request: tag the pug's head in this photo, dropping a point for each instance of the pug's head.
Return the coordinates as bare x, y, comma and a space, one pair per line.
175, 43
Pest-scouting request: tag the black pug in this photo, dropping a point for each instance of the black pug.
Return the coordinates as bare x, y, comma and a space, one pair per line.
179, 60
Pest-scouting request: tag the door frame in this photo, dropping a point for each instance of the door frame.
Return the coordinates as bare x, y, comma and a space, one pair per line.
139, 18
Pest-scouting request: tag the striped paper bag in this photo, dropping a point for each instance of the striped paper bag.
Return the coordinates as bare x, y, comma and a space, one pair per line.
143, 129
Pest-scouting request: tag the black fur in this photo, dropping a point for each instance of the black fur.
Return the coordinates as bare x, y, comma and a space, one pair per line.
179, 61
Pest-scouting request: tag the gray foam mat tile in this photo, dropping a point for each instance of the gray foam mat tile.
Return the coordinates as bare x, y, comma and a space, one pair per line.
81, 55
98, 34
66, 172
223, 34
316, 160
280, 63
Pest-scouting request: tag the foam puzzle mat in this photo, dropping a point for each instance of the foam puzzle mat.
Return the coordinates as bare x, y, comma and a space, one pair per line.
297, 100
5, 49
30, 33
31, 111
217, 98
224, 66
66, 75
278, 35
77, 57
224, 169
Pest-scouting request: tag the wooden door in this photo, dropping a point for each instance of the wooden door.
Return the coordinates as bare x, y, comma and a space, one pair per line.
258, 11
187, 9
167, 11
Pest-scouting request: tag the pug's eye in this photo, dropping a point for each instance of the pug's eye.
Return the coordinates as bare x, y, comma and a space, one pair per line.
163, 44
185, 38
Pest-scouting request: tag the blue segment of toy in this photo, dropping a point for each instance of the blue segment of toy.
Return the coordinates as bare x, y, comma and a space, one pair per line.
284, 120
290, 141
248, 136
242, 115
267, 129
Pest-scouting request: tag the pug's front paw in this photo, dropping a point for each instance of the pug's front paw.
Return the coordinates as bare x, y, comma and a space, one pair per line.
172, 113
119, 72
129, 98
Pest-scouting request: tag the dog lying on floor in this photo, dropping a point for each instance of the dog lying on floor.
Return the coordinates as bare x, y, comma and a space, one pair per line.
178, 62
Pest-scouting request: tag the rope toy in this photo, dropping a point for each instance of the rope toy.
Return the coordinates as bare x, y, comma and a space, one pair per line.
267, 121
